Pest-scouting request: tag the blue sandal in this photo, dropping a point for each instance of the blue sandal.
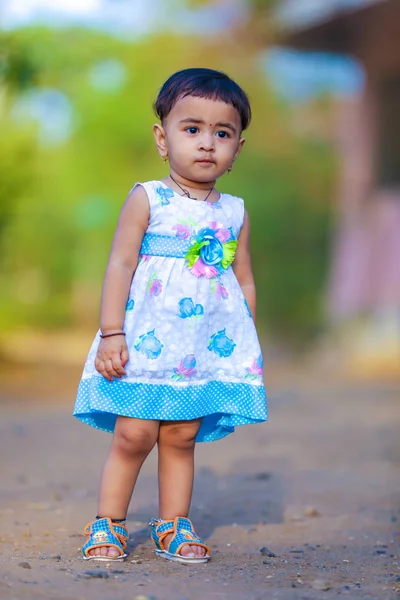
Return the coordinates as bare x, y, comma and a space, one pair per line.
104, 532
184, 533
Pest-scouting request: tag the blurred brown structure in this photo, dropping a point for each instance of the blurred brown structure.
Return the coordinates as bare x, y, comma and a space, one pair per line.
366, 257
365, 272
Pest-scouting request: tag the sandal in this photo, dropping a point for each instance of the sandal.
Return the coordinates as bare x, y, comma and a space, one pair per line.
184, 533
104, 532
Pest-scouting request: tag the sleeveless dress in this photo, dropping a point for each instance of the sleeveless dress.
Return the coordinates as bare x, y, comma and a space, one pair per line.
193, 346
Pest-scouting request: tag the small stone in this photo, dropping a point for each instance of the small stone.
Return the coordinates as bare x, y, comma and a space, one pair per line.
136, 561
267, 552
267, 562
56, 557
262, 476
311, 511
393, 519
381, 551
24, 565
320, 585
95, 574
297, 551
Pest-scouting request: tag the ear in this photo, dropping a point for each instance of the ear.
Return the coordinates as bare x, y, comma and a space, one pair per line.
239, 148
160, 139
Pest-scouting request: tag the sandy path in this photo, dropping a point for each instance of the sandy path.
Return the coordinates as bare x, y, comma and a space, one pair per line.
333, 447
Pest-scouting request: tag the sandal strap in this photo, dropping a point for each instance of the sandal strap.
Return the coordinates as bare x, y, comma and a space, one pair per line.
185, 534
103, 532
159, 530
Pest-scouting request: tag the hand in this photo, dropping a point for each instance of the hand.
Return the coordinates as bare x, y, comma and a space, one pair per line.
112, 356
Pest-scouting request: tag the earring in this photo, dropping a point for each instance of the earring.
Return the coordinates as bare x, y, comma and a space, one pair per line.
165, 158
230, 169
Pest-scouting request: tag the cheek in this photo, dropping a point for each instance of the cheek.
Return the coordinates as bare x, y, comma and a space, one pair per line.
227, 150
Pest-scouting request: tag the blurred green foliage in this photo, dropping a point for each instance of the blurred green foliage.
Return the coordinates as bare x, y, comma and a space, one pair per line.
59, 201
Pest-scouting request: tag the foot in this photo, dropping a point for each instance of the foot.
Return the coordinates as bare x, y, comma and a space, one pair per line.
107, 540
188, 550
107, 551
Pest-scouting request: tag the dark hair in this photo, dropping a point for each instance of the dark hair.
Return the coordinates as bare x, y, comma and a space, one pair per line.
202, 83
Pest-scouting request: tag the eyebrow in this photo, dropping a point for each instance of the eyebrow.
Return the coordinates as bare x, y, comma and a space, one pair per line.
201, 122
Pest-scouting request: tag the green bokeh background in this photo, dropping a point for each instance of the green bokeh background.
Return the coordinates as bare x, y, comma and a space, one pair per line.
59, 202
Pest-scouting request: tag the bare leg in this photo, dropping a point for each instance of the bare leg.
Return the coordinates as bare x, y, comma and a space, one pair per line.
176, 443
132, 442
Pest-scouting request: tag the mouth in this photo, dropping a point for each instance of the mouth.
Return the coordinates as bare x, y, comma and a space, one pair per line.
205, 161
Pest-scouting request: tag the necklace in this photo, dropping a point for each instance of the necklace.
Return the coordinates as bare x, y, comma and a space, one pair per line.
186, 193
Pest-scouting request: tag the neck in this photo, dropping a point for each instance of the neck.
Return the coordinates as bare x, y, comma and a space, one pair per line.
192, 186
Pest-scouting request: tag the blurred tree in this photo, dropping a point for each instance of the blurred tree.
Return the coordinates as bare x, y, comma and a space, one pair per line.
55, 246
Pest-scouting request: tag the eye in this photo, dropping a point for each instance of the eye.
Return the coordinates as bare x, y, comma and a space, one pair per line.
192, 129
222, 134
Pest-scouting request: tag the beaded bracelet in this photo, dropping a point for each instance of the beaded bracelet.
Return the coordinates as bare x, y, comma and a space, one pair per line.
106, 335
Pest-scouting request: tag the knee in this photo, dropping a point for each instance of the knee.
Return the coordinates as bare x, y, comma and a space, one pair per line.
134, 441
182, 437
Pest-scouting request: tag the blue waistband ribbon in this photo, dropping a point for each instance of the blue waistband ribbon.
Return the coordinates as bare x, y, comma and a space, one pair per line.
154, 244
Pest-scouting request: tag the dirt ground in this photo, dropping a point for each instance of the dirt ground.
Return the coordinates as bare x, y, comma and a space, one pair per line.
318, 486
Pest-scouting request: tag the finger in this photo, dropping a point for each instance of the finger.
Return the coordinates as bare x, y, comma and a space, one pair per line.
99, 364
116, 362
106, 374
109, 368
100, 367
124, 356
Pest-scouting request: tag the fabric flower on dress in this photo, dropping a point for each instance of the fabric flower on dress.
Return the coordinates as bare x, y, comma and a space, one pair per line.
215, 205
188, 309
256, 369
212, 252
185, 368
163, 195
220, 290
154, 286
221, 344
130, 304
149, 345
182, 231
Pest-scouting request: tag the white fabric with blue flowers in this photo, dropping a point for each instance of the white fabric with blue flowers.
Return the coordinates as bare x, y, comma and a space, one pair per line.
193, 346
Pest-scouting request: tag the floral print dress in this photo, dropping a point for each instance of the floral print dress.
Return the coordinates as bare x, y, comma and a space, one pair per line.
193, 346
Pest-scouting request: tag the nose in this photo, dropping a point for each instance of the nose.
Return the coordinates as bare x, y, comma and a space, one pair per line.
207, 142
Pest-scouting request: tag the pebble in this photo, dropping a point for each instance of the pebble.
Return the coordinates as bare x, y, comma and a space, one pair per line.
267, 552
51, 557
381, 551
311, 511
262, 476
24, 565
95, 574
297, 551
321, 585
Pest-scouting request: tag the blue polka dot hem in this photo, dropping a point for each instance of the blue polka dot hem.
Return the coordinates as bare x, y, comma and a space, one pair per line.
222, 405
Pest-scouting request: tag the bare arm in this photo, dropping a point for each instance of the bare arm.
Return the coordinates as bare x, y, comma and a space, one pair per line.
132, 224
112, 354
242, 266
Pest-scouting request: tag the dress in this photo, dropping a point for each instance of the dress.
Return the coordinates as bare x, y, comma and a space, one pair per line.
193, 346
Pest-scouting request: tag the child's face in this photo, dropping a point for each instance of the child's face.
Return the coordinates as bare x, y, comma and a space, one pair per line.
202, 138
